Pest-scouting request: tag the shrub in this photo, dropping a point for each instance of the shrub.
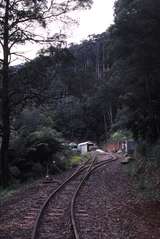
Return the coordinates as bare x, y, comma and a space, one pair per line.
75, 160
147, 169
33, 153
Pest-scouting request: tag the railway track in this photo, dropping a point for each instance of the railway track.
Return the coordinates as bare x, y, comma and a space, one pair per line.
57, 217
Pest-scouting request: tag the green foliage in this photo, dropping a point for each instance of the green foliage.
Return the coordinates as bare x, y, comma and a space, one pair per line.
142, 149
134, 61
45, 135
120, 135
145, 170
72, 85
5, 193
32, 121
75, 160
153, 154
107, 84
34, 144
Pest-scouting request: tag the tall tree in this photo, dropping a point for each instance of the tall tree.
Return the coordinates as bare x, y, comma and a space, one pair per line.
17, 19
135, 65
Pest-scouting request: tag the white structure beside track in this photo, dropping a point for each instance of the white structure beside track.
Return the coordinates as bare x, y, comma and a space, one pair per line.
85, 147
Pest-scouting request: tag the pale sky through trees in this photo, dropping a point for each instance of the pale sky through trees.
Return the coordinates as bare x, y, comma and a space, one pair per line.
93, 21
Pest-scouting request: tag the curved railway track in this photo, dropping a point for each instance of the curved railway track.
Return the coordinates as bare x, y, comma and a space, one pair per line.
57, 216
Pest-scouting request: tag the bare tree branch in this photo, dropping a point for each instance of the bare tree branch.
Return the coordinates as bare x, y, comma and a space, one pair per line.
20, 55
1, 44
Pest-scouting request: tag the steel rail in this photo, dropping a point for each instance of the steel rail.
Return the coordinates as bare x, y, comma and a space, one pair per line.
73, 202
76, 173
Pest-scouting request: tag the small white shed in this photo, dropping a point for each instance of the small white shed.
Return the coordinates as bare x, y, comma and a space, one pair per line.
85, 147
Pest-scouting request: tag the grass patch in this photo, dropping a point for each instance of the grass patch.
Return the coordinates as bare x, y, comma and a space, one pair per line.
6, 193
75, 160
13, 188
145, 178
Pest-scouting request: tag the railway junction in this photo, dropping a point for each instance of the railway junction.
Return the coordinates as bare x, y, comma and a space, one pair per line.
94, 201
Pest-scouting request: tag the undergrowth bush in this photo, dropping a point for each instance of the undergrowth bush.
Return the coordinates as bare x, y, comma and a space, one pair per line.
36, 152
146, 170
75, 160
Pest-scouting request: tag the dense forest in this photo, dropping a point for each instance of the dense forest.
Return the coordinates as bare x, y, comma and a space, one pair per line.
87, 91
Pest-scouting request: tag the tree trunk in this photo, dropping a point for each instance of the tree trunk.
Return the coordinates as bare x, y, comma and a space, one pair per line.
105, 127
5, 104
97, 62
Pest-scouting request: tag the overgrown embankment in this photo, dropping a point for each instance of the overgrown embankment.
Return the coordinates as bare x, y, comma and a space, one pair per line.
146, 170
